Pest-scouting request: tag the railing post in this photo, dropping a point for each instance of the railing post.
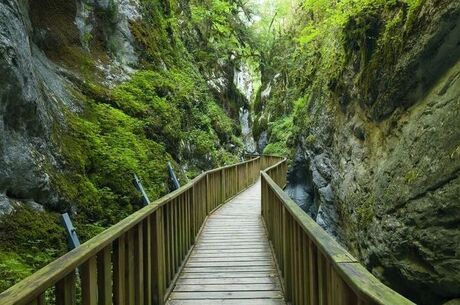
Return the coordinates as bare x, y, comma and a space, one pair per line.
222, 173
208, 190
104, 276
89, 282
286, 254
147, 242
158, 266
66, 290
247, 182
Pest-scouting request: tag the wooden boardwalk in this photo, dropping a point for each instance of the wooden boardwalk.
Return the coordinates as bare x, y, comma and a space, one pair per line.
231, 263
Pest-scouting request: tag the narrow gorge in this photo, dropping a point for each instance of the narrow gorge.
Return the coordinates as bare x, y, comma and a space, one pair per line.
362, 97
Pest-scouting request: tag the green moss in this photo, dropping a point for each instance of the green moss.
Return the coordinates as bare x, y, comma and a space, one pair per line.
411, 176
311, 139
365, 212
12, 269
31, 229
103, 149
28, 240
154, 118
280, 133
277, 149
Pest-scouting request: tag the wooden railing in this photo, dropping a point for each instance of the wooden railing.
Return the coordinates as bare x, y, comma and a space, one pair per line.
315, 269
137, 260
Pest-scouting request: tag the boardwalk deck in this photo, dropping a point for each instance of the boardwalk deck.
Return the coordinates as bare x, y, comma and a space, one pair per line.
231, 263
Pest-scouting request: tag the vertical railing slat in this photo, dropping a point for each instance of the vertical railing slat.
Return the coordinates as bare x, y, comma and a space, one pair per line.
139, 264
119, 257
158, 256
104, 276
89, 281
130, 298
65, 291
147, 248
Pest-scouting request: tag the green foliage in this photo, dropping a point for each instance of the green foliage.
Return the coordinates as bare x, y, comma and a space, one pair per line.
12, 269
312, 57
280, 132
220, 29
28, 241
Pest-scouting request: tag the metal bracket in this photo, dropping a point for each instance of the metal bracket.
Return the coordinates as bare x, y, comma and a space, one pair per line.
172, 177
72, 237
137, 183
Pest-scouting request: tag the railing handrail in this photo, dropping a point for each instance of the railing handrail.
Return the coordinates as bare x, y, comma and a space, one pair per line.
360, 280
34, 285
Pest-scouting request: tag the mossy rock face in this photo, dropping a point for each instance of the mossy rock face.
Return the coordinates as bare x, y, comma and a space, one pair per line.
373, 96
79, 117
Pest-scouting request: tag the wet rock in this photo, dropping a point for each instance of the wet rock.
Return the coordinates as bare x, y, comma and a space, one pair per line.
299, 186
5, 205
263, 141
26, 108
246, 131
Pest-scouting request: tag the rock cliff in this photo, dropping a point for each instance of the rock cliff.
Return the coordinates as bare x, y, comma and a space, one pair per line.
379, 138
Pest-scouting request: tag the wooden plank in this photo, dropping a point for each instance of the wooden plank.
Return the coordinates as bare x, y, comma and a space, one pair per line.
104, 276
119, 257
66, 290
306, 270
232, 244
233, 247
89, 282
158, 257
130, 269
235, 274
313, 273
139, 265
167, 243
176, 235
230, 254
229, 251
218, 264
227, 295
225, 287
147, 248
40, 300
236, 280
228, 269
228, 302
226, 258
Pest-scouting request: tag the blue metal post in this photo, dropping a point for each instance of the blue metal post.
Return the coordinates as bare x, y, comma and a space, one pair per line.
72, 237
137, 183
172, 176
